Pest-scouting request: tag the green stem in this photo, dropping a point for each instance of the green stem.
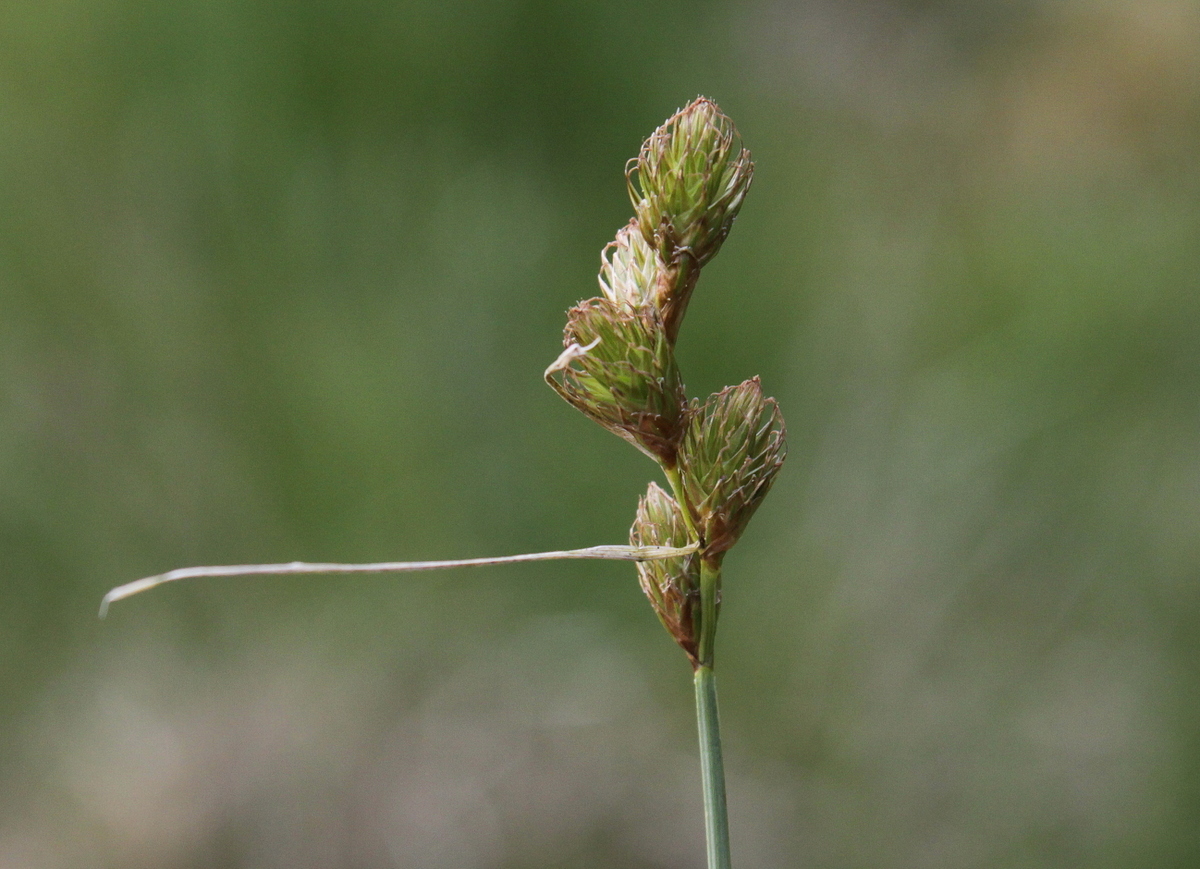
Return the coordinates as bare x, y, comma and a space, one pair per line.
710, 587
676, 480
712, 770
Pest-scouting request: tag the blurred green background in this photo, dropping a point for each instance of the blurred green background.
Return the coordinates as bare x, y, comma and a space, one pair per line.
278, 281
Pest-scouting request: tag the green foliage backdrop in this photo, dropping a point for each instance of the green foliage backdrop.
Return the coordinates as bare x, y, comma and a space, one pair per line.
278, 281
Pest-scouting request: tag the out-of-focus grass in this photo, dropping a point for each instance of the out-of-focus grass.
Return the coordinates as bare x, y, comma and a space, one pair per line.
279, 282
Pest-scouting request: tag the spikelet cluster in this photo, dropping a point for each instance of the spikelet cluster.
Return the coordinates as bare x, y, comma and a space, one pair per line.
618, 366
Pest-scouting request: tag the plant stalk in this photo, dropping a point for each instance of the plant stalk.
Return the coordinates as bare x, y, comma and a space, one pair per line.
712, 769
675, 478
710, 603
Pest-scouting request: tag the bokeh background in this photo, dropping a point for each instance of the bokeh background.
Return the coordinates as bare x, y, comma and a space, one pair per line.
278, 281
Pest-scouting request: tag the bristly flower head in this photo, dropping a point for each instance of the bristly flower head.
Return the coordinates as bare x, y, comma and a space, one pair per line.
721, 456
732, 450
619, 369
689, 181
672, 584
629, 269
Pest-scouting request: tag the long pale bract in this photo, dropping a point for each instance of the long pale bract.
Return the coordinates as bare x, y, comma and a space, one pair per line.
612, 553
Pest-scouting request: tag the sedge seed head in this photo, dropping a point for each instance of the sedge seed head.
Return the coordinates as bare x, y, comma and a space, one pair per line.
629, 269
688, 182
619, 369
733, 448
671, 584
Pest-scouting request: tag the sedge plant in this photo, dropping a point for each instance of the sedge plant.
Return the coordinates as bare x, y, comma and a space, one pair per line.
718, 456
